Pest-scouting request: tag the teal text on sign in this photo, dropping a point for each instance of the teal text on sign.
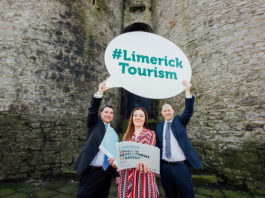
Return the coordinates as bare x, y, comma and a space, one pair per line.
123, 55
147, 65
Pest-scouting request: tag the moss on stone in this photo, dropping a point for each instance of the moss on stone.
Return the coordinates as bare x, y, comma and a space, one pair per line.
44, 193
232, 194
201, 196
68, 188
217, 193
26, 188
18, 195
205, 191
6, 191
204, 179
209, 192
253, 188
259, 196
62, 196
54, 185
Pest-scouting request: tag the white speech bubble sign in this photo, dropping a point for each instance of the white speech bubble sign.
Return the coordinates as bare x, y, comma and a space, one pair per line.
147, 65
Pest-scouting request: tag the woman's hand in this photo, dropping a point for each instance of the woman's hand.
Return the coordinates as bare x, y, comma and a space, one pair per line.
143, 168
111, 162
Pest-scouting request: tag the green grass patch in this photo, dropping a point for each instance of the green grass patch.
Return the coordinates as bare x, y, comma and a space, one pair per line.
44, 193
259, 196
205, 191
62, 196
209, 192
204, 179
6, 191
201, 196
26, 188
68, 188
18, 195
234, 194
54, 185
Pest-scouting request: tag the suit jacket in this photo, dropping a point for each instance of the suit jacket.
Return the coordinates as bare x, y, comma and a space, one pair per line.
95, 133
178, 128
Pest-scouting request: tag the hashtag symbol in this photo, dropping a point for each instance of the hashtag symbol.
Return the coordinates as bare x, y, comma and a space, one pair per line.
116, 53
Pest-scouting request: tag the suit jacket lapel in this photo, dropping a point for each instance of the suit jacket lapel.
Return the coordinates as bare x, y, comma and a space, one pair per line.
101, 133
161, 129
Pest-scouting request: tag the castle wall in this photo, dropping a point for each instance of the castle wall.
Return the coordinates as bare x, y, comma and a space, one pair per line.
224, 41
52, 60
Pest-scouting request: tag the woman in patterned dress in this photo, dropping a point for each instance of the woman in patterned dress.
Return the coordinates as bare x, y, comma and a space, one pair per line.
138, 182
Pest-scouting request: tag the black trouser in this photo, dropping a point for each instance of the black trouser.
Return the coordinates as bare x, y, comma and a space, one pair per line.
94, 183
177, 181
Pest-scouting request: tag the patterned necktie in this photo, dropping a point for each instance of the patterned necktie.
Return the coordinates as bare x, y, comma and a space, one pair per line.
105, 162
167, 137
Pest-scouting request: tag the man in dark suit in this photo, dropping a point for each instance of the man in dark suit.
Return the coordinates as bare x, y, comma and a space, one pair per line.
176, 150
92, 163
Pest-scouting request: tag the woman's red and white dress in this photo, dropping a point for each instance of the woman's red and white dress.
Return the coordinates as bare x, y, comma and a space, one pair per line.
134, 184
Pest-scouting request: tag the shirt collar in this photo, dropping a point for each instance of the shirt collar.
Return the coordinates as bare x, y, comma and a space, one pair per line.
168, 121
106, 124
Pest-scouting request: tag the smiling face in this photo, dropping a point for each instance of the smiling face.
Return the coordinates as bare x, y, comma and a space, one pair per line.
167, 112
107, 115
138, 118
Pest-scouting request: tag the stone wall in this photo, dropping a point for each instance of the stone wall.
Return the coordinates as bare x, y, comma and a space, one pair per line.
52, 59
51, 54
224, 41
137, 11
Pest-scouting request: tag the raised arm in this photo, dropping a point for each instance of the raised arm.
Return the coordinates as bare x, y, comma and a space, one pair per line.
95, 103
189, 104
92, 115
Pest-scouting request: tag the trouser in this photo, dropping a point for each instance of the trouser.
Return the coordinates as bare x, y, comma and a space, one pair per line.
94, 183
176, 180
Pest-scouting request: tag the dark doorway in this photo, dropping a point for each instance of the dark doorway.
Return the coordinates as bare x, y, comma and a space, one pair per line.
131, 99
138, 101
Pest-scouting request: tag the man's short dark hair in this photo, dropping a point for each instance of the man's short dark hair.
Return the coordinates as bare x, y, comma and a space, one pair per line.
138, 27
102, 109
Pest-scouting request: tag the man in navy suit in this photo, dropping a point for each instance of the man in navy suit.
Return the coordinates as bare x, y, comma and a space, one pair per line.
176, 151
92, 164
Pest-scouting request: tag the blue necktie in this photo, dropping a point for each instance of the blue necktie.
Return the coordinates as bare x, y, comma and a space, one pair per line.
168, 144
105, 163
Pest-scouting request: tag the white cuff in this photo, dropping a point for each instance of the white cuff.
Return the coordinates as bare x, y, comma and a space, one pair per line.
96, 95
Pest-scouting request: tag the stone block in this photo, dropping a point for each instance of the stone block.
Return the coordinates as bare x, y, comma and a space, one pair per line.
36, 144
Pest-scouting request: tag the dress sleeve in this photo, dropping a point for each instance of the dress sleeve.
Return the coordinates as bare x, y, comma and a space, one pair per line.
152, 138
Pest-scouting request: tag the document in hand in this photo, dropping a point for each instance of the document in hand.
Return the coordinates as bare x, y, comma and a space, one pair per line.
129, 154
108, 144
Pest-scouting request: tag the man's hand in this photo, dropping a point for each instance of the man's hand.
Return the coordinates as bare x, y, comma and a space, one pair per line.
111, 162
102, 88
187, 88
117, 180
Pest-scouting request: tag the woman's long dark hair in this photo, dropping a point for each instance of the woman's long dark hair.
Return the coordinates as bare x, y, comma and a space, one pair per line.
130, 129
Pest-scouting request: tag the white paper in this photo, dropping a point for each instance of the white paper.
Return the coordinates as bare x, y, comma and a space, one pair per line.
129, 154
108, 144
